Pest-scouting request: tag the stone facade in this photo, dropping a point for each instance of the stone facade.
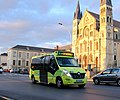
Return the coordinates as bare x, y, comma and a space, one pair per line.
96, 38
3, 60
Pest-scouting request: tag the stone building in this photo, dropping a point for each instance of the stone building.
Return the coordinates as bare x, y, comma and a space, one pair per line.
3, 60
96, 37
20, 56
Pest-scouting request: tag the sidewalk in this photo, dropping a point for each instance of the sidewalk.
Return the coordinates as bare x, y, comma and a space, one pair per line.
90, 80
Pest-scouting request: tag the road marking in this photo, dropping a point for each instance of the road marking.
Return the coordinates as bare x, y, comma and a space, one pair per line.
5, 98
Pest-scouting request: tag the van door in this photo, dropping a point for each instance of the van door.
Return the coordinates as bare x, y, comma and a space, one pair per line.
53, 67
43, 72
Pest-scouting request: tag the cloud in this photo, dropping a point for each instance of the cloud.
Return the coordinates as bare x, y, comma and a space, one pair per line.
52, 44
5, 5
35, 22
16, 25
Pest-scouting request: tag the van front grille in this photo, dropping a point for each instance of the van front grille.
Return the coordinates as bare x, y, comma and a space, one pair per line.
78, 75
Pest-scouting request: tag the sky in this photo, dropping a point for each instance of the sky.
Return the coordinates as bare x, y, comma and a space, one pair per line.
35, 22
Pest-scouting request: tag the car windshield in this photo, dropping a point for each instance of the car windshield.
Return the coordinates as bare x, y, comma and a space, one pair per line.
67, 62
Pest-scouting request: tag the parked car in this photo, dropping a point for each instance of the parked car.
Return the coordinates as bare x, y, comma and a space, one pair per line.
13, 70
111, 75
23, 71
1, 70
6, 70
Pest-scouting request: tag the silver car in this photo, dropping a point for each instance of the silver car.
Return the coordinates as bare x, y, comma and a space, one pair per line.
1, 70
111, 75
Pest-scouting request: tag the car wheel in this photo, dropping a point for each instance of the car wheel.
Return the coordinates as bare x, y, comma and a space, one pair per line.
118, 82
59, 83
81, 86
33, 80
96, 81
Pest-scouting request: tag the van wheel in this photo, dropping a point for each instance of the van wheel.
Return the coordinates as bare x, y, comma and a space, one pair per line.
33, 80
59, 83
96, 81
118, 82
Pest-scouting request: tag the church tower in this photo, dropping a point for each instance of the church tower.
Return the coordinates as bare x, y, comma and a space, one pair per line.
75, 30
106, 34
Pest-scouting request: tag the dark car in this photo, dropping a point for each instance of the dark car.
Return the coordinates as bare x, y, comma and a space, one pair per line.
111, 75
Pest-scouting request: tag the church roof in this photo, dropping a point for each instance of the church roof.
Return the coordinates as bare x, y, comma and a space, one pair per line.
78, 13
108, 2
115, 22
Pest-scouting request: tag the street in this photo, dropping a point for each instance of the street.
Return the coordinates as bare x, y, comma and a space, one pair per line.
19, 87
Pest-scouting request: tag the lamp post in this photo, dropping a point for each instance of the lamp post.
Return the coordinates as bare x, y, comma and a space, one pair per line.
61, 24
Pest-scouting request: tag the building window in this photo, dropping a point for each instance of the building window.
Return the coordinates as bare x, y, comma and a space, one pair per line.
19, 62
103, 19
115, 57
85, 46
116, 36
27, 63
96, 45
80, 48
27, 55
20, 55
110, 20
107, 19
108, 34
14, 54
13, 62
90, 45
91, 33
76, 49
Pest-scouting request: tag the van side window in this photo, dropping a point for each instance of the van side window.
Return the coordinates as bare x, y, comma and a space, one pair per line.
42, 61
35, 65
53, 64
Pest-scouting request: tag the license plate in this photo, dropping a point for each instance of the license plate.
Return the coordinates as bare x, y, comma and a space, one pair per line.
80, 81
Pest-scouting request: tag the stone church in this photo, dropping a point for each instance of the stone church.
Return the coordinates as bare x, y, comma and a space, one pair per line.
96, 38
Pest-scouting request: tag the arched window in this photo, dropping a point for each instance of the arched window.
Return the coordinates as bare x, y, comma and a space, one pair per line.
96, 45
116, 36
107, 19
96, 62
110, 20
85, 46
90, 45
103, 19
91, 58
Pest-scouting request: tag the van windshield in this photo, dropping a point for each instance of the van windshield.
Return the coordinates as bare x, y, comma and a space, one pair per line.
67, 62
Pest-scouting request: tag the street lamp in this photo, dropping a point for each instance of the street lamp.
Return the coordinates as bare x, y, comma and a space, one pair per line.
61, 24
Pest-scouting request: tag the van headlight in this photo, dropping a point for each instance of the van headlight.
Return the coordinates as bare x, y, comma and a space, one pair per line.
67, 73
85, 75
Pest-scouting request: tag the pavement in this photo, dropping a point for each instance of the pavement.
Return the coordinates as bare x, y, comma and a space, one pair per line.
90, 80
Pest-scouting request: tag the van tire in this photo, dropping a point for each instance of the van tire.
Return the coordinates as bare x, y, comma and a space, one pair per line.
118, 82
59, 83
96, 81
33, 80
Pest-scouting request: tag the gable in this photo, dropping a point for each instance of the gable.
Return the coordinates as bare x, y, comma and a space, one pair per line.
87, 19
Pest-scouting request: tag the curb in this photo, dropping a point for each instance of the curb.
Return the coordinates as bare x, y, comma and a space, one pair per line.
90, 80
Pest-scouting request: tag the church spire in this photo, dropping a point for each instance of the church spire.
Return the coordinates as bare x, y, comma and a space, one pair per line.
107, 2
78, 13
